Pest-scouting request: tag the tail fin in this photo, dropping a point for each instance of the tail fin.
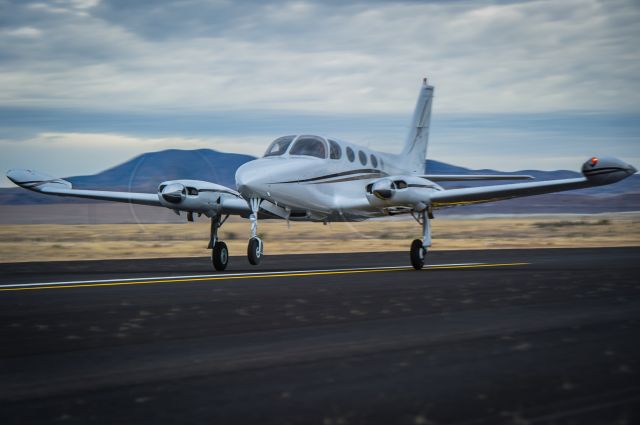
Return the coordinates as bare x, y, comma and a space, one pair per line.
415, 148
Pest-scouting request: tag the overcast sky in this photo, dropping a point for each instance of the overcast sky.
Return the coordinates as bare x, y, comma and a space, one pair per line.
87, 84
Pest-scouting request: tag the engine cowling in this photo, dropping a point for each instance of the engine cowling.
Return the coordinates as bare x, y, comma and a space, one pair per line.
193, 195
400, 192
606, 170
383, 189
173, 193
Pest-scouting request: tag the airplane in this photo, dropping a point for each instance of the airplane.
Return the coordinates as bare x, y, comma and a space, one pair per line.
306, 177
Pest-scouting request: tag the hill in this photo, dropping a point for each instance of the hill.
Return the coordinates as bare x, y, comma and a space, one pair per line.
144, 173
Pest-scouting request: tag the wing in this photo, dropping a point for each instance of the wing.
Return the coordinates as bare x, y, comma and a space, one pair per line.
179, 195
401, 194
596, 172
476, 195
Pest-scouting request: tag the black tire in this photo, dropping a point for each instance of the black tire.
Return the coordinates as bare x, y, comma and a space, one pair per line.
417, 254
220, 256
254, 252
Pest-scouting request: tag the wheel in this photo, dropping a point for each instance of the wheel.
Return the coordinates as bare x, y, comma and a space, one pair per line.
417, 254
220, 256
254, 251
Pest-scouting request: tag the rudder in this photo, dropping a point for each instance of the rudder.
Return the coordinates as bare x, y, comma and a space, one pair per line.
415, 148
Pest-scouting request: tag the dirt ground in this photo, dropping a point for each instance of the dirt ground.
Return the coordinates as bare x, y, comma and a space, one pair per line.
45, 242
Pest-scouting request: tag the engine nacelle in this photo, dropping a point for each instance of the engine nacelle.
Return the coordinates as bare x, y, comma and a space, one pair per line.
383, 189
400, 192
193, 195
606, 170
174, 193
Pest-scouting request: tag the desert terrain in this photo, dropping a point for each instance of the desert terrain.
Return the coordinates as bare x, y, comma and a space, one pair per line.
47, 242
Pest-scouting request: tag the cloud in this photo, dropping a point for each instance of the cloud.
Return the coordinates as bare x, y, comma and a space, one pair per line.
313, 56
28, 32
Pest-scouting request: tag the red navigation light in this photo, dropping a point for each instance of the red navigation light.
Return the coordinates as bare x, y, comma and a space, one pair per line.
594, 161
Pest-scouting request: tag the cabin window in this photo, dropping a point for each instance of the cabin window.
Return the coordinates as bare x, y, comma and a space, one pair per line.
309, 146
363, 157
192, 191
374, 161
335, 151
350, 155
279, 146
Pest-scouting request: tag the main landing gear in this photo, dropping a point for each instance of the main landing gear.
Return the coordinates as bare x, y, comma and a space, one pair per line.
419, 247
219, 250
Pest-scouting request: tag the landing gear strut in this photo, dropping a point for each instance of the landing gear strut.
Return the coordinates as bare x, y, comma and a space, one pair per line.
419, 247
219, 250
255, 249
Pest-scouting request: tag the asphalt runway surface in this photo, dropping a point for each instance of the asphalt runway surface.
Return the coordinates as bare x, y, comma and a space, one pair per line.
496, 336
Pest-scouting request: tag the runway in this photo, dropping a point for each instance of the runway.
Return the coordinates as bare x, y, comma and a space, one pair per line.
496, 336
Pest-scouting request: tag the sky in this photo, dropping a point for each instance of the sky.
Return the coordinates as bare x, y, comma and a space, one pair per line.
88, 84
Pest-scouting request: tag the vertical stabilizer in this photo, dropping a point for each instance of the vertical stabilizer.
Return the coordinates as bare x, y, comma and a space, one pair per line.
415, 148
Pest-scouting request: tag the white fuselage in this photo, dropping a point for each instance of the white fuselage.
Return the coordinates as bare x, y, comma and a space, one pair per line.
319, 188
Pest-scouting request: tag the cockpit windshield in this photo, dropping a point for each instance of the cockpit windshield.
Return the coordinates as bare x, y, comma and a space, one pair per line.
309, 146
279, 146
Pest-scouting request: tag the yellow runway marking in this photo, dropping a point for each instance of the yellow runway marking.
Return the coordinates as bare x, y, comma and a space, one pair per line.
261, 276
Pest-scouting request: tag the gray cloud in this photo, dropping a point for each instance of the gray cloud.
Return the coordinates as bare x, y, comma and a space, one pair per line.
316, 56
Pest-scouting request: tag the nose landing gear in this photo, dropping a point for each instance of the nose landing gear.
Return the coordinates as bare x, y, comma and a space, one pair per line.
419, 247
255, 249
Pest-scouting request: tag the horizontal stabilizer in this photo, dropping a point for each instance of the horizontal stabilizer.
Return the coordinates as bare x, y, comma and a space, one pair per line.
472, 177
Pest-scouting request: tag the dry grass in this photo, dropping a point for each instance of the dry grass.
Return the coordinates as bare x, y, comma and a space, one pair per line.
105, 241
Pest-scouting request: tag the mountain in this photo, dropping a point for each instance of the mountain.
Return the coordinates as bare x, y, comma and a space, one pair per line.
145, 172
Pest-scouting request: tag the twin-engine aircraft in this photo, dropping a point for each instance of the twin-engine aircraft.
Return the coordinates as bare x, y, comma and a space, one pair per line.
312, 178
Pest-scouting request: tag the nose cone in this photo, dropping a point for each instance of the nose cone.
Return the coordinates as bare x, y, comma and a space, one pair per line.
264, 177
252, 178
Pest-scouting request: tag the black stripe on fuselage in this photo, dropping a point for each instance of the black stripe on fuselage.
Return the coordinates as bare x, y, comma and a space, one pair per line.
344, 173
348, 179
